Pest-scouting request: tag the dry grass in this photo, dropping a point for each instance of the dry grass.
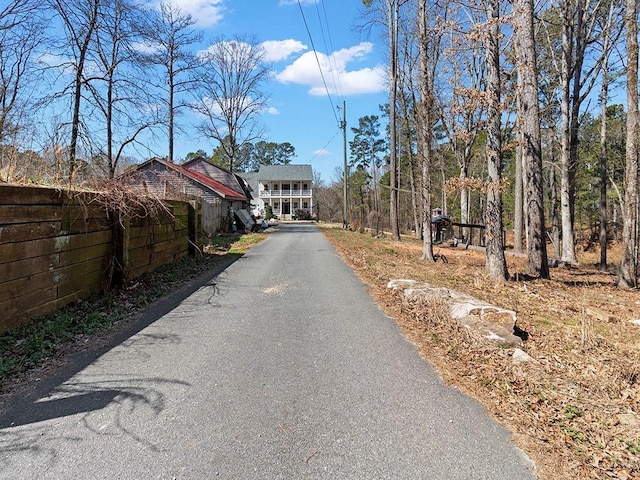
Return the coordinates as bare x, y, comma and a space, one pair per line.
576, 410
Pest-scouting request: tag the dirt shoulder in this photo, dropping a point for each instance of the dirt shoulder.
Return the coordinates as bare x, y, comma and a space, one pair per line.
576, 409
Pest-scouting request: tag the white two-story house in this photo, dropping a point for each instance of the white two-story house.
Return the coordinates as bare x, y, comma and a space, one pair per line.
286, 188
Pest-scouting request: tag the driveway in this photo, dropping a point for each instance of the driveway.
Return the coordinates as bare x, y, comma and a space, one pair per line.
279, 367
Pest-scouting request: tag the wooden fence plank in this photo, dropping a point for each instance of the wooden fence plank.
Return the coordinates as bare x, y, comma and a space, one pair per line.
20, 195
23, 232
29, 266
79, 255
32, 283
79, 282
27, 213
47, 246
85, 226
15, 307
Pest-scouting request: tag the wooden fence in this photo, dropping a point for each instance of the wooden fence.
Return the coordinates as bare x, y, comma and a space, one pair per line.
57, 247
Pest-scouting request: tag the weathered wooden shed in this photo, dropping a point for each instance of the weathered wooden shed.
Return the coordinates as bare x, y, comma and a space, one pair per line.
178, 182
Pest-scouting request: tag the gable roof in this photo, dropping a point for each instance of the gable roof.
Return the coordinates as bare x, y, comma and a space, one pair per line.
218, 187
251, 179
222, 175
285, 172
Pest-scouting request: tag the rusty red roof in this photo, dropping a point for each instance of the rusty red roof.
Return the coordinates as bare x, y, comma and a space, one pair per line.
216, 186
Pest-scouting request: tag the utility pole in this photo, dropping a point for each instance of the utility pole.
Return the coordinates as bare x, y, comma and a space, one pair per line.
343, 126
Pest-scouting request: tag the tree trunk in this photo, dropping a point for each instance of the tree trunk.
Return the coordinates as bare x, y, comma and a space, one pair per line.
496, 263
171, 113
629, 264
82, 41
424, 131
566, 184
604, 154
443, 179
604, 93
415, 205
529, 123
518, 210
464, 200
407, 98
575, 29
393, 88
555, 218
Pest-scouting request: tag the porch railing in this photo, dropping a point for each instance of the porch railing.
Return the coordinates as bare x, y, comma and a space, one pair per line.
285, 193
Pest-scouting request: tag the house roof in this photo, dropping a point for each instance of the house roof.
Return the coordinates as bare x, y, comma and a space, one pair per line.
218, 187
251, 178
230, 179
285, 172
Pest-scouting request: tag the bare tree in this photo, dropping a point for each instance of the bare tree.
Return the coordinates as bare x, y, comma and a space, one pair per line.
168, 37
577, 75
393, 7
366, 148
496, 262
629, 264
80, 21
429, 38
19, 35
610, 34
118, 92
14, 12
391, 17
529, 125
230, 95
463, 116
423, 127
408, 102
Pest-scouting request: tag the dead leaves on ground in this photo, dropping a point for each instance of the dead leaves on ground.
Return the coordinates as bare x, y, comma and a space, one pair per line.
576, 409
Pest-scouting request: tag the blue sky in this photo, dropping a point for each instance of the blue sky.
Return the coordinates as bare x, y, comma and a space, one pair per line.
300, 111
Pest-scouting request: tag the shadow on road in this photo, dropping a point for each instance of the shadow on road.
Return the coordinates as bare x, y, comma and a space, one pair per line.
84, 398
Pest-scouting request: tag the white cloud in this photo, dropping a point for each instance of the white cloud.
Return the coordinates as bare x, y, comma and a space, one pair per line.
225, 48
146, 47
322, 153
206, 13
50, 59
273, 111
276, 50
304, 71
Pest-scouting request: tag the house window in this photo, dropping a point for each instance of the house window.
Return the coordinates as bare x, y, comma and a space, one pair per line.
295, 205
305, 204
305, 186
276, 205
295, 186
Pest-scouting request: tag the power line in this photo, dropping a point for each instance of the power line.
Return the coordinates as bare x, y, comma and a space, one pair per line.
328, 143
315, 52
329, 48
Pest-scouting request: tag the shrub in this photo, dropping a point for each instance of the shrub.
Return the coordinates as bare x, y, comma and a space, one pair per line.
268, 212
301, 214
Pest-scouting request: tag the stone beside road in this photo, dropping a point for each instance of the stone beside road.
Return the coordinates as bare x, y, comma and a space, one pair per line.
485, 321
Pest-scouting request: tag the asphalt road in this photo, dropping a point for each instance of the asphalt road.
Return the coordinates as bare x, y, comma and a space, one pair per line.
281, 367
